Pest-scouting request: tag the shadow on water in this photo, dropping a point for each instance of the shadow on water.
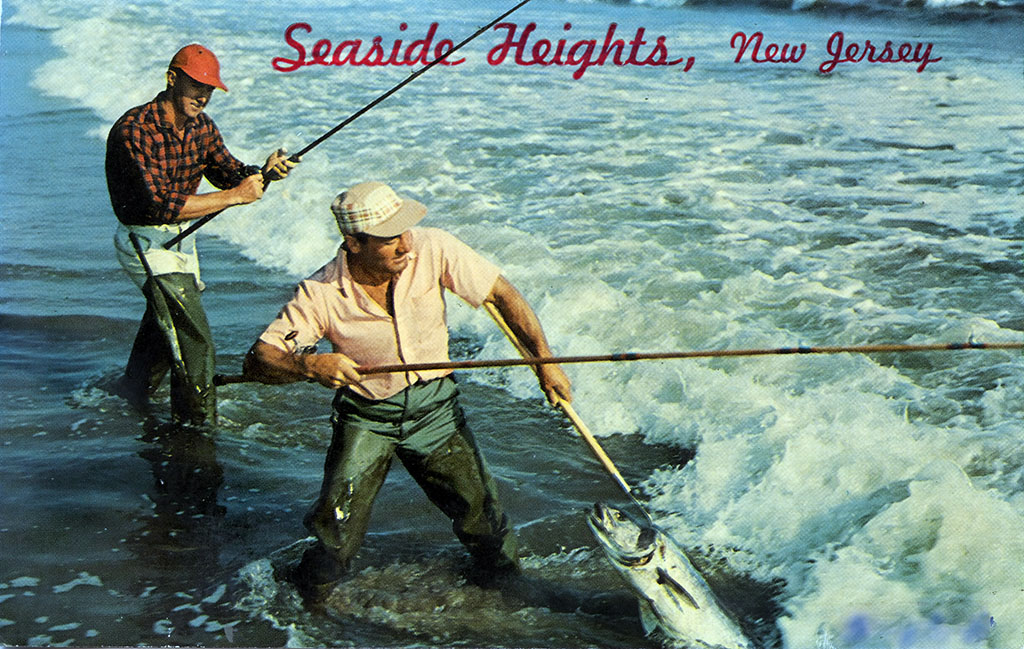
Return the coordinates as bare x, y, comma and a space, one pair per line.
177, 547
412, 599
184, 528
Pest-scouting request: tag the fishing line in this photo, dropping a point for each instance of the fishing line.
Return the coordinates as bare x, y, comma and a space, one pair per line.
354, 116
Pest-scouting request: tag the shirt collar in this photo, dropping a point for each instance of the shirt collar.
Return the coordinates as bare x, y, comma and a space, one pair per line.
341, 274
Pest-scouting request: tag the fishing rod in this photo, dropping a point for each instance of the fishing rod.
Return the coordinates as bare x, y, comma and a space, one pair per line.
221, 379
354, 116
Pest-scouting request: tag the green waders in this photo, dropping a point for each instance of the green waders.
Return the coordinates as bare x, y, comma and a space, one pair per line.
175, 335
424, 426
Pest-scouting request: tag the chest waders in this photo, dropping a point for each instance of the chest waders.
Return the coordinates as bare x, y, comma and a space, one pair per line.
424, 427
174, 335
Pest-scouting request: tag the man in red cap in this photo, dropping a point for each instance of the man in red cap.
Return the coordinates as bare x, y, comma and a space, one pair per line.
157, 154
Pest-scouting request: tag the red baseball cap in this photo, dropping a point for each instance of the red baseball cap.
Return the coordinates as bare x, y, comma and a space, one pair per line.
200, 64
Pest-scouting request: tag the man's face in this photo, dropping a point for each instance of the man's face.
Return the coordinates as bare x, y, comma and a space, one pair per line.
381, 256
188, 95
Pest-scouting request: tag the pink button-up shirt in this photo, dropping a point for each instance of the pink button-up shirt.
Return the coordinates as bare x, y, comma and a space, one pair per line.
328, 304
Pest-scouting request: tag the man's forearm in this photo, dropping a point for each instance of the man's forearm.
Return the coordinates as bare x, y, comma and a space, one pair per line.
520, 317
268, 364
200, 205
523, 322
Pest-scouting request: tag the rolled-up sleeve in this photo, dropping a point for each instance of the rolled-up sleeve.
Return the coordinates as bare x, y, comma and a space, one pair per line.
464, 271
302, 321
222, 169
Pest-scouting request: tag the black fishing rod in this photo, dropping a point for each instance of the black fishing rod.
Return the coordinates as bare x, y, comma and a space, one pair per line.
222, 379
354, 116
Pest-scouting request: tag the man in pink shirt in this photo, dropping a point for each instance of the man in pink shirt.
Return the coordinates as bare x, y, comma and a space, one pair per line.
380, 301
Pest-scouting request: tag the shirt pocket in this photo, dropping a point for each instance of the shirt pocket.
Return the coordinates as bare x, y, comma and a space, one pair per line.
426, 316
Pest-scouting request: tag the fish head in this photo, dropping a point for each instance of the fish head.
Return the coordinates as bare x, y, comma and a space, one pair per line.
673, 595
626, 542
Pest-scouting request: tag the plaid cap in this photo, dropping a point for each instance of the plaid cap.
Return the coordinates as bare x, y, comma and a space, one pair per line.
375, 209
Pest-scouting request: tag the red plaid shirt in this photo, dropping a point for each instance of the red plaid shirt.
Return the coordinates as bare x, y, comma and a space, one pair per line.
151, 172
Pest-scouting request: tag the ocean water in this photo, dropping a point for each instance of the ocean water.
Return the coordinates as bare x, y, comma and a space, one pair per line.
833, 501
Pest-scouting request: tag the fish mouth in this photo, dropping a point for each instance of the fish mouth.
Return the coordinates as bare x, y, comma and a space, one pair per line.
600, 519
633, 560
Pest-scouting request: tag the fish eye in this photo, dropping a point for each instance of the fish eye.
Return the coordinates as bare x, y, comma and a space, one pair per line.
645, 537
620, 516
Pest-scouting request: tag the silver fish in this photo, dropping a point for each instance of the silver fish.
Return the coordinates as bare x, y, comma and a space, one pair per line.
673, 595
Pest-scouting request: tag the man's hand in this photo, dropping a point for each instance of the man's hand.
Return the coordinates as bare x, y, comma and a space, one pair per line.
555, 384
330, 370
278, 165
249, 190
